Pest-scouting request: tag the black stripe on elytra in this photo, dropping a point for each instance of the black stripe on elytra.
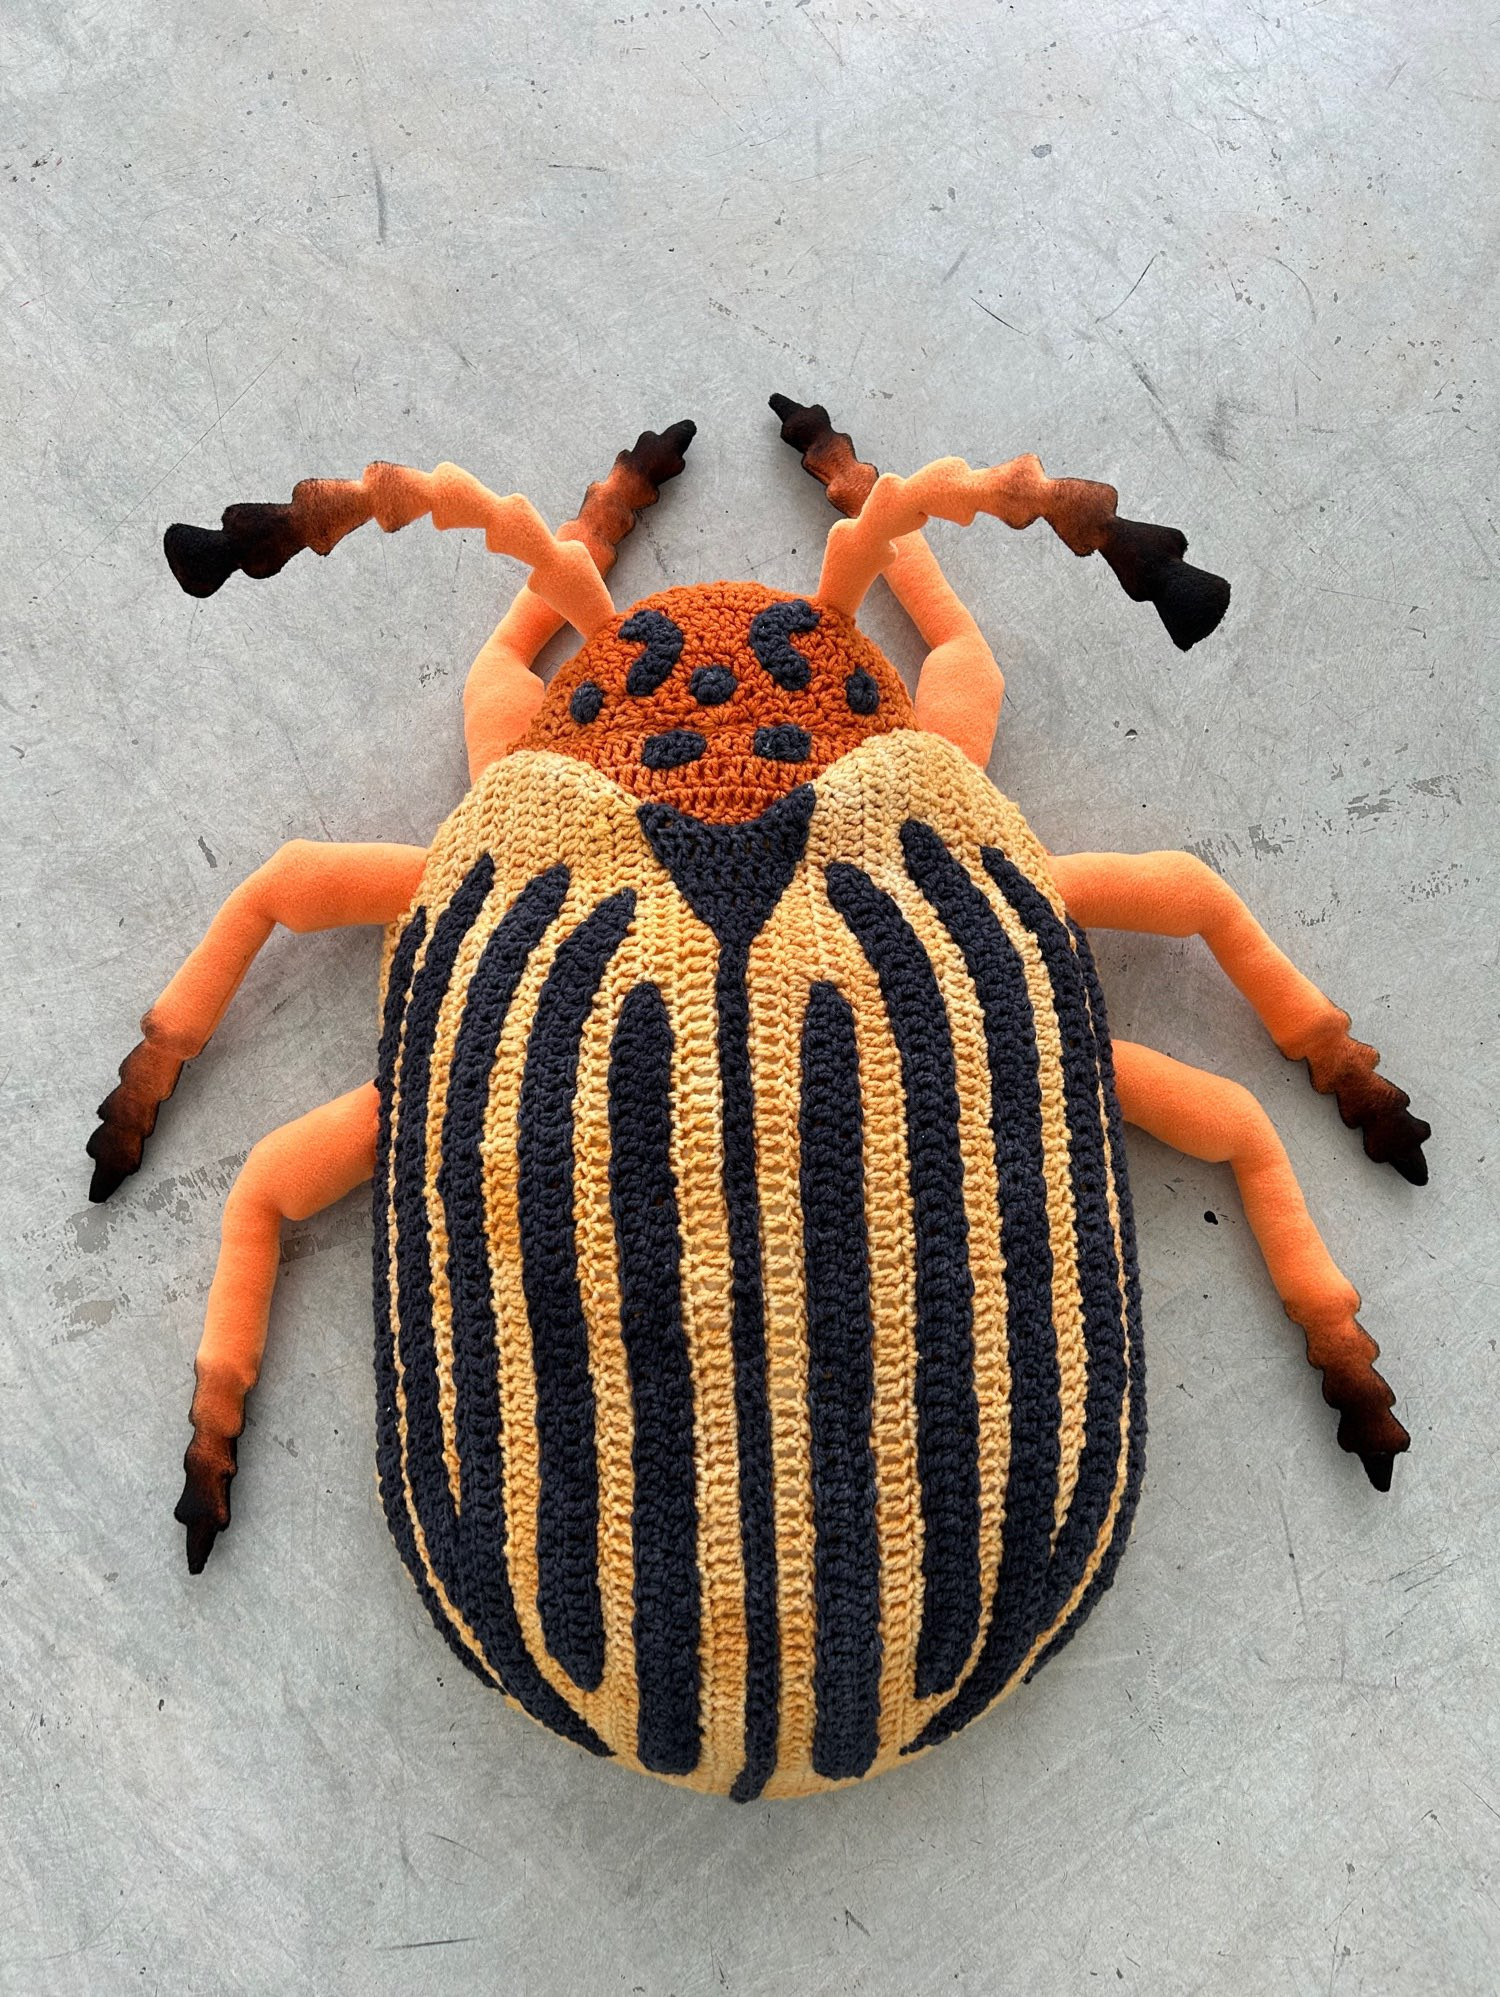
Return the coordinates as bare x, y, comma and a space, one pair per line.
732, 877
387, 1419
485, 1579
567, 1527
752, 1407
771, 634
425, 1469
1135, 1449
999, 978
1098, 1267
664, 1525
840, 1392
947, 1407
663, 648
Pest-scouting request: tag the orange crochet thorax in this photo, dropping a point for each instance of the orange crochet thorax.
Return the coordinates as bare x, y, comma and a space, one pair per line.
720, 698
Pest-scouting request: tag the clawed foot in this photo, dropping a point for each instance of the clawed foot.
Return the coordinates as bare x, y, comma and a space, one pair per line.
1346, 1355
127, 1115
210, 1463
1373, 1106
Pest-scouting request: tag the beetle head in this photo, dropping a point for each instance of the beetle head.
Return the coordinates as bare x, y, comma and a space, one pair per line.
721, 698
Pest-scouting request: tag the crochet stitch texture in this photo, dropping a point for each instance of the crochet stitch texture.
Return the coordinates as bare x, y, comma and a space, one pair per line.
760, 1383
752, 1244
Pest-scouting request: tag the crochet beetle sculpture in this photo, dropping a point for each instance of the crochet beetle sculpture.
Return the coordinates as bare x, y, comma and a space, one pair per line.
760, 1391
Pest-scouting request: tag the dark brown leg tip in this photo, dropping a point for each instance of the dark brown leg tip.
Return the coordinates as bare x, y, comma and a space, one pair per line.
204, 1517
115, 1148
677, 436
660, 456
203, 1507
106, 1180
127, 1116
1373, 1434
1372, 1105
803, 424
1396, 1138
200, 1544
1147, 561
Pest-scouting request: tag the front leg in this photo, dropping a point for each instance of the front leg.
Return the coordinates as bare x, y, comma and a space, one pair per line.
290, 1175
304, 886
960, 688
1175, 894
1207, 1117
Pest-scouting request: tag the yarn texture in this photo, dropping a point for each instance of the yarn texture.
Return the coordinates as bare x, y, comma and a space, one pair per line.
761, 1394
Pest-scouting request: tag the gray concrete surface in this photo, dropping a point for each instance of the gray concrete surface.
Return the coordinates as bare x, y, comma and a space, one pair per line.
1239, 259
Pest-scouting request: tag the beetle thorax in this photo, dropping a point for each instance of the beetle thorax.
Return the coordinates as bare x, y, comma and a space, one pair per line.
720, 698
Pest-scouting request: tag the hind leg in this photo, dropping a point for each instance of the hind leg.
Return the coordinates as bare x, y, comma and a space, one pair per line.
1175, 894
304, 886
291, 1174
1216, 1120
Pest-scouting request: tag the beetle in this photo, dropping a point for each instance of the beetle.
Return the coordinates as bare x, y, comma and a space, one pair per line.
760, 1389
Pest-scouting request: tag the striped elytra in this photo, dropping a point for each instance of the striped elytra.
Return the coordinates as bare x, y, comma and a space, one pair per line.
759, 1370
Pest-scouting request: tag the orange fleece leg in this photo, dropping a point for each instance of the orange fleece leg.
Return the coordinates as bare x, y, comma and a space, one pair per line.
502, 693
960, 687
1175, 894
1210, 1118
305, 886
290, 1175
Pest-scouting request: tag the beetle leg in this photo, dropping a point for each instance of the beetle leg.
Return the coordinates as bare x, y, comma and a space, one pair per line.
960, 687
1213, 1119
1175, 894
502, 692
291, 1174
304, 886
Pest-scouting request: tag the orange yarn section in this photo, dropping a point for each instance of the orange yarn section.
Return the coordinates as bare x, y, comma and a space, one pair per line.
730, 779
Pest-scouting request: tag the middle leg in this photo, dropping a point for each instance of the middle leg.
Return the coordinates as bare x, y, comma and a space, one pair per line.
1175, 894
306, 885
1216, 1120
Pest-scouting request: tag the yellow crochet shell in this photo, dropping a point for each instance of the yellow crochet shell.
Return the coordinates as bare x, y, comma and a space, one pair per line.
759, 1372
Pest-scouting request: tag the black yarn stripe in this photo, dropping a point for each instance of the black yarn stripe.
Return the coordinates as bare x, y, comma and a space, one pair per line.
1098, 1267
1135, 1448
387, 1422
947, 1407
484, 1583
567, 1534
732, 877
425, 1469
841, 1392
751, 1398
999, 979
664, 1524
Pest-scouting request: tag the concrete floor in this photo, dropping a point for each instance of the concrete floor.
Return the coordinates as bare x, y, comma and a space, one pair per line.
1239, 260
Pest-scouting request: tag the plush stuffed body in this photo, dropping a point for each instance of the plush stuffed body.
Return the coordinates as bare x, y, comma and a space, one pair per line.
757, 1341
